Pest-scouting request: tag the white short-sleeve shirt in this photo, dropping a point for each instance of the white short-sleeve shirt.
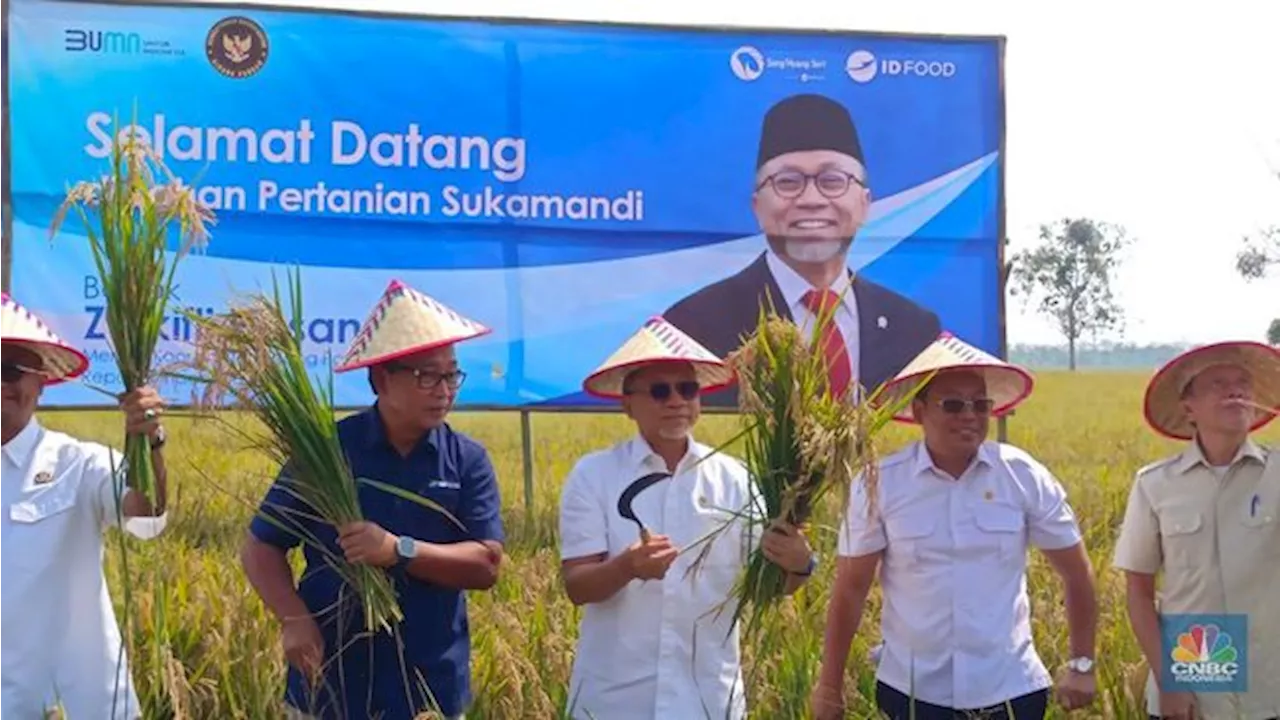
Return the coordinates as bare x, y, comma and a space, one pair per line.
955, 604
60, 638
656, 650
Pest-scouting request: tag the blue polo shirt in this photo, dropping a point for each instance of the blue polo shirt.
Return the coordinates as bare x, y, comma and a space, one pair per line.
373, 677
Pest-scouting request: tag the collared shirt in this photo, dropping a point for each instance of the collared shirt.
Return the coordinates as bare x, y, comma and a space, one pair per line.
794, 287
365, 677
1217, 540
656, 650
61, 641
954, 571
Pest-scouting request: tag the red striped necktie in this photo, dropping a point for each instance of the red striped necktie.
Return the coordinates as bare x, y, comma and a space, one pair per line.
839, 370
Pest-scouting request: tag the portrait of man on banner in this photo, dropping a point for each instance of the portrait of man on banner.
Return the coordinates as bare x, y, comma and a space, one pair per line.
811, 195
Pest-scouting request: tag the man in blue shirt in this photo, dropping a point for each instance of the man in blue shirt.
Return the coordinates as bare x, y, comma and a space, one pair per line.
336, 670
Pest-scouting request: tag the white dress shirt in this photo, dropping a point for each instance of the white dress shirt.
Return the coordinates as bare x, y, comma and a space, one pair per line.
60, 638
794, 287
953, 577
656, 650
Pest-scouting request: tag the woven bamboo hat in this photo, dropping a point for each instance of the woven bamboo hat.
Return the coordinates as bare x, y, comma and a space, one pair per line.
1162, 403
658, 341
1007, 384
405, 322
18, 326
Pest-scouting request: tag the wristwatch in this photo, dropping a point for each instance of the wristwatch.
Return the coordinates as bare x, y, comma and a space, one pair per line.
1080, 664
406, 550
808, 570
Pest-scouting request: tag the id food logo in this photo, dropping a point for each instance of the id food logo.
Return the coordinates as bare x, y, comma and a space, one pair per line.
862, 66
1204, 654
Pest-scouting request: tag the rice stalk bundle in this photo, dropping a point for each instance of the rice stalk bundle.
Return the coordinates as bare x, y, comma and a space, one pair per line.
802, 443
252, 355
128, 216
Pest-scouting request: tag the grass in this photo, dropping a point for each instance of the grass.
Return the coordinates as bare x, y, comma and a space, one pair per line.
225, 659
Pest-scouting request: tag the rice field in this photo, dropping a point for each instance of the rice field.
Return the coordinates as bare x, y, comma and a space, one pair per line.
223, 658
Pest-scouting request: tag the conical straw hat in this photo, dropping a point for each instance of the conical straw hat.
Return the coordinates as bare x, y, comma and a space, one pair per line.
658, 341
1162, 404
405, 322
19, 326
1007, 384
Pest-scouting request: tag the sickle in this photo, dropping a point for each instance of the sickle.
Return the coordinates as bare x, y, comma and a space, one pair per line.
629, 494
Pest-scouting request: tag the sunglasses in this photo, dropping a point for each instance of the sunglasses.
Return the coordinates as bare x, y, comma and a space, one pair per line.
688, 389
955, 406
12, 372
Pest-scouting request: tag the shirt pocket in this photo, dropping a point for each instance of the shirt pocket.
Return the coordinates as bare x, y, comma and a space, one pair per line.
40, 525
1186, 541
718, 546
1260, 536
1001, 530
907, 537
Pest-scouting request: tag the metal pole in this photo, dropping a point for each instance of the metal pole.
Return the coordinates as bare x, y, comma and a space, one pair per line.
6, 178
526, 456
1002, 263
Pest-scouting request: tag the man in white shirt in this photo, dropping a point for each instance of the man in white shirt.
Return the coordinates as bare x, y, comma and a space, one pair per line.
949, 527
1207, 519
61, 645
653, 644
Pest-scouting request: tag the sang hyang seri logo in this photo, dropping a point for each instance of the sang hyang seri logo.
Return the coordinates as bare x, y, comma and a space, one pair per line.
1205, 654
747, 63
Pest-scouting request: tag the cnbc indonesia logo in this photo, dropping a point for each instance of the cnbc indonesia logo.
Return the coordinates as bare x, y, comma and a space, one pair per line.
1205, 654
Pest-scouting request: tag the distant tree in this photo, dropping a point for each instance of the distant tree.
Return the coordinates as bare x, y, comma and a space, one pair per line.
1273, 332
1069, 277
1260, 252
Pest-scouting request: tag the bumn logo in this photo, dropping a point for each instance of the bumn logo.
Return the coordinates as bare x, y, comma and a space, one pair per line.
100, 41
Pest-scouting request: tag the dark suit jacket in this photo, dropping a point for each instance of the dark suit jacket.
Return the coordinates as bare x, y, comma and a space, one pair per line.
723, 314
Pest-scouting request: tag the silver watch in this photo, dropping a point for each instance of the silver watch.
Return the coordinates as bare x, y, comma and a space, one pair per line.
1080, 664
406, 548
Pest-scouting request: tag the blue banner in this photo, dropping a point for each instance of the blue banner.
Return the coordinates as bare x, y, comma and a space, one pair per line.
560, 183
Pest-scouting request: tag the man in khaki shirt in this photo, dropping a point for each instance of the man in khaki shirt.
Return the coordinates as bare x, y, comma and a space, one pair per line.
1209, 518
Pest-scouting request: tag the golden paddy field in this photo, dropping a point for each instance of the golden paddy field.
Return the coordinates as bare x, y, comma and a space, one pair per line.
223, 657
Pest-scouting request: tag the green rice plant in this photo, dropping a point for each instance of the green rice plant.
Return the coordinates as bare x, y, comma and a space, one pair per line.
253, 354
802, 442
226, 659
128, 215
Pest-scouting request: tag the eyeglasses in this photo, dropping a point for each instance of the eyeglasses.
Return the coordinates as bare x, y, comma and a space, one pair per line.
955, 406
429, 379
830, 183
12, 372
688, 389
